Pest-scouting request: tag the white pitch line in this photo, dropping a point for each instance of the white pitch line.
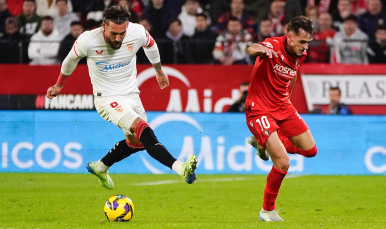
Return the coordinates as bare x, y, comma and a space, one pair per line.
176, 181
229, 179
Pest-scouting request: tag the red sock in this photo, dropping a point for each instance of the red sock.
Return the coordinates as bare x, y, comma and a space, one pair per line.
274, 179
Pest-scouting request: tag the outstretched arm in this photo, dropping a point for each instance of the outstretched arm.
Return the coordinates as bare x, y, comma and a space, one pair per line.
258, 49
68, 66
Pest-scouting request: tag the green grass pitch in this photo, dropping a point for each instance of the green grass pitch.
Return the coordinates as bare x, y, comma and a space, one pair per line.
216, 201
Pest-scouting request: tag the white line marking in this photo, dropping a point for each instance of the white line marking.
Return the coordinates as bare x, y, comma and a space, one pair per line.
177, 181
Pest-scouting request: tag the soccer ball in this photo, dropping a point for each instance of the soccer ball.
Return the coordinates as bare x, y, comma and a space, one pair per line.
119, 208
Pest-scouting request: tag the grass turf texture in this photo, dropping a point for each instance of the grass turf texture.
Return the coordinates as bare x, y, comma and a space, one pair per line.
77, 200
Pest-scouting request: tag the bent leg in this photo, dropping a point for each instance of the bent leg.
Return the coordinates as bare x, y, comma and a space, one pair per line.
303, 144
279, 169
146, 136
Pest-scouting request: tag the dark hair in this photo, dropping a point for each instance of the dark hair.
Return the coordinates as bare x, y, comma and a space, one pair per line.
11, 20
175, 20
245, 83
75, 23
48, 18
336, 88
351, 17
117, 14
62, 1
30, 1
380, 27
233, 19
202, 15
300, 23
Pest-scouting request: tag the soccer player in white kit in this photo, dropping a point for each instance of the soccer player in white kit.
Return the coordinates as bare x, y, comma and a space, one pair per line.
111, 60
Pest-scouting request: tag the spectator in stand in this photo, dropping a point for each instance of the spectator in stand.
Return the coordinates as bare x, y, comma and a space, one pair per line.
377, 48
319, 50
44, 45
231, 45
94, 18
239, 105
202, 42
4, 14
358, 7
350, 44
159, 17
15, 7
66, 44
237, 11
336, 107
141, 56
48, 7
29, 21
218, 7
266, 31
369, 21
64, 18
344, 10
12, 46
134, 16
276, 15
312, 13
188, 16
174, 51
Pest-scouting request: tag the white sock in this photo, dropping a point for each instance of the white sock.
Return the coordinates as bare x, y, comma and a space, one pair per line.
101, 167
177, 167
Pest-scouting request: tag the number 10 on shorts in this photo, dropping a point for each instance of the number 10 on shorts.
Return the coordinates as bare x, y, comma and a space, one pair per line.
263, 122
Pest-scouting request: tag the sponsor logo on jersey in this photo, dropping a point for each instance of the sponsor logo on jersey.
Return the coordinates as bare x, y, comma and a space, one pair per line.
284, 71
130, 46
108, 67
269, 45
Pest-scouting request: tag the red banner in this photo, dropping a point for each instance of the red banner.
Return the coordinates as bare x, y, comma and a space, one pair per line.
193, 88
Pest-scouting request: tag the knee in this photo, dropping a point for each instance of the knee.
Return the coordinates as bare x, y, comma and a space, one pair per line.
283, 165
311, 152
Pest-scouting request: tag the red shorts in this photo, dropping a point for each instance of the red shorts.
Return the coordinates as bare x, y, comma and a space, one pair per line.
286, 120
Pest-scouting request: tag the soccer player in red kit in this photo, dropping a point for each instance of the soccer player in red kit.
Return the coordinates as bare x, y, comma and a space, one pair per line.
273, 120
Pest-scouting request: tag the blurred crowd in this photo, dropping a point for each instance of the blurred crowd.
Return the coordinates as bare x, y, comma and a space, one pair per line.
42, 32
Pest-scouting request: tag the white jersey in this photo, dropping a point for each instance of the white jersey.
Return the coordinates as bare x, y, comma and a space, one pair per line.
112, 72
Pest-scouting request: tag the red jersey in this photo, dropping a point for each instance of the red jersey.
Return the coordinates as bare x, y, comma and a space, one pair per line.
271, 77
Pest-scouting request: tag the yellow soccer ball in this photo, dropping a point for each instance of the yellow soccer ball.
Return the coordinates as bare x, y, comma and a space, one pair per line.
119, 208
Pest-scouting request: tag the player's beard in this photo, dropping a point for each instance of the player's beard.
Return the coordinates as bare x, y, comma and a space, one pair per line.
114, 44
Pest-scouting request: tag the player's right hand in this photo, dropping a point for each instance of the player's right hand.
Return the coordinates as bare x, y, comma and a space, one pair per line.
269, 52
53, 91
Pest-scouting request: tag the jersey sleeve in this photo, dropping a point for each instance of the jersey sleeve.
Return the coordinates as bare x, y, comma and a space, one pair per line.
148, 39
267, 43
78, 50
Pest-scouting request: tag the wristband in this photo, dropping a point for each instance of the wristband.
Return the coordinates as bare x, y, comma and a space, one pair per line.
61, 80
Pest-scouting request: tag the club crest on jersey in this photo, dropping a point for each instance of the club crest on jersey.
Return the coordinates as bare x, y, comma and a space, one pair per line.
266, 132
130, 47
297, 62
251, 123
282, 57
119, 108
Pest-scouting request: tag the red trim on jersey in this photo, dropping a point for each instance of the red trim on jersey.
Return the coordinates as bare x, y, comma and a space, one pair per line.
75, 50
140, 127
135, 146
104, 36
61, 80
150, 41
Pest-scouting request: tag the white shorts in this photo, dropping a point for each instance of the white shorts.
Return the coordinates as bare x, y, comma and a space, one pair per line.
121, 110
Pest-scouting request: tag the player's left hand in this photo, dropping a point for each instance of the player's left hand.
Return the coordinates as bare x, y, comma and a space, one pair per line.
162, 79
